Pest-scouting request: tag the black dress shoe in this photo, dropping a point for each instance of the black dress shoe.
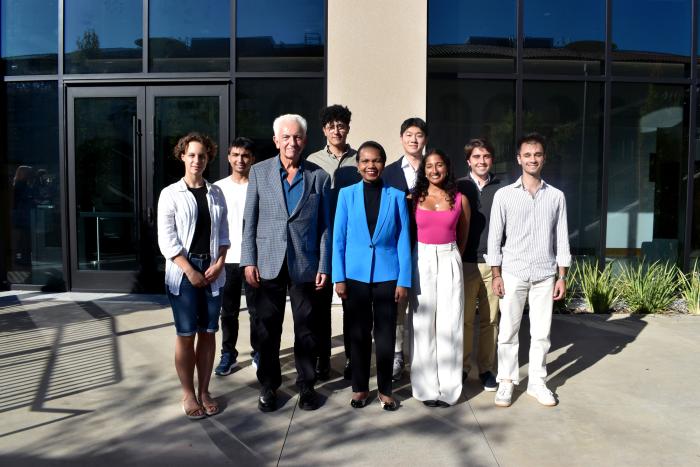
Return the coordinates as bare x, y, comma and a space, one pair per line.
267, 402
442, 404
430, 403
308, 399
347, 371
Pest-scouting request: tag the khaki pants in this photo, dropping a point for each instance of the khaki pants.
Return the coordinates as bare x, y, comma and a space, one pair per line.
477, 286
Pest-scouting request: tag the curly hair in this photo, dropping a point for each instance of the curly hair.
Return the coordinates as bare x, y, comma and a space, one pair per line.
420, 190
209, 145
335, 113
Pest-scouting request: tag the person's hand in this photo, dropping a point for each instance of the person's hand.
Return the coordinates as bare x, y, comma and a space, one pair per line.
559, 289
213, 272
252, 276
341, 289
321, 280
196, 278
497, 286
400, 294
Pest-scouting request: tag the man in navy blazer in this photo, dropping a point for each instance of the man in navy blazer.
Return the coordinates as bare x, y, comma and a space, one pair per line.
286, 247
401, 174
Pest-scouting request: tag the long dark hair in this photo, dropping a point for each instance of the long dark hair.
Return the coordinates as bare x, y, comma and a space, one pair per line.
420, 191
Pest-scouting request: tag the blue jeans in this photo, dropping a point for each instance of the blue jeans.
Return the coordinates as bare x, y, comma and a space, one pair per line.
195, 309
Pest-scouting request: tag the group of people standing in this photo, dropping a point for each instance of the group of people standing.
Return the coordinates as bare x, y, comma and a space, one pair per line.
413, 253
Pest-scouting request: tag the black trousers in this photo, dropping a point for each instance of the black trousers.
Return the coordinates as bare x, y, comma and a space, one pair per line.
269, 309
230, 308
322, 310
367, 306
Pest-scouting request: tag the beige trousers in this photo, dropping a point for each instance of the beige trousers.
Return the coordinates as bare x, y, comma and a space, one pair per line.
478, 294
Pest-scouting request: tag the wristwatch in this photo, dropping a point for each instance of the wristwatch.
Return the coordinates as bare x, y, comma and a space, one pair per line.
562, 277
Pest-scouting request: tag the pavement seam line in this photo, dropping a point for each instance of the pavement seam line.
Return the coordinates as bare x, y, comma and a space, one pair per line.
289, 427
483, 434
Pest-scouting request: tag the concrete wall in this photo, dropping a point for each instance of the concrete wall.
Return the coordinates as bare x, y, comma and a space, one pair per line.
377, 66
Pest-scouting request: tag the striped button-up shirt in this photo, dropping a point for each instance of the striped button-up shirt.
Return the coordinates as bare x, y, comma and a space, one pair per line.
535, 229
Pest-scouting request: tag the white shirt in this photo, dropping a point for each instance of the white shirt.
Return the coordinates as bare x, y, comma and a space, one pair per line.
408, 172
535, 229
177, 219
477, 180
235, 203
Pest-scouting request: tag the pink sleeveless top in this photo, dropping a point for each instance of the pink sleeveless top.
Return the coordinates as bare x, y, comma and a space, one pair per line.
438, 227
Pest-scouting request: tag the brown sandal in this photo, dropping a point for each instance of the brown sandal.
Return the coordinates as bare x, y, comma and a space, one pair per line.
211, 407
195, 413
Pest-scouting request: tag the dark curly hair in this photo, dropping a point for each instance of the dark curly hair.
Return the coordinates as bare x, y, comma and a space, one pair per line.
420, 191
335, 113
209, 145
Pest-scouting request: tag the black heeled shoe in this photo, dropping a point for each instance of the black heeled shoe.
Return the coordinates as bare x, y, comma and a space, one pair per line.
388, 406
359, 403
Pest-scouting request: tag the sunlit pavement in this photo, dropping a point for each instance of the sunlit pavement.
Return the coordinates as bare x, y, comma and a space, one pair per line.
88, 379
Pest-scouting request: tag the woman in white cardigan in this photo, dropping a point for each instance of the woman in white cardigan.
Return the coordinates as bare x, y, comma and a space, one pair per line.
193, 238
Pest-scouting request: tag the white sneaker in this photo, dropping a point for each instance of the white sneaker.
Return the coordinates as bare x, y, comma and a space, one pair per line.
543, 395
504, 394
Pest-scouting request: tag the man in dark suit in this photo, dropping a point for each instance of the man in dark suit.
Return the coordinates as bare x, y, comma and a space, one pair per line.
401, 174
286, 247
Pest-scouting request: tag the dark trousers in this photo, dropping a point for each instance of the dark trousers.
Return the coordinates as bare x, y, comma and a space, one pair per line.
269, 310
231, 306
322, 311
367, 306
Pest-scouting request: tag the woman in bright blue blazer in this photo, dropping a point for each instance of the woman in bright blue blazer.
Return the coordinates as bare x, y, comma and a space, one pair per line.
371, 270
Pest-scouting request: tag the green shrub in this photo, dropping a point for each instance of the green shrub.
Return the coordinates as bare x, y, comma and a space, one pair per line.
648, 288
596, 287
690, 290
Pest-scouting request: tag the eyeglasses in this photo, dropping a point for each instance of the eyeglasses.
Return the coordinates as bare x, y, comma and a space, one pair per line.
341, 127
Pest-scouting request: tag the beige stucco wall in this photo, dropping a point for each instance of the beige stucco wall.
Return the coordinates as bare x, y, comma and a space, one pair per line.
377, 66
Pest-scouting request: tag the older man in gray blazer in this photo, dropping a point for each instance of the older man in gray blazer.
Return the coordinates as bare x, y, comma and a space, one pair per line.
286, 247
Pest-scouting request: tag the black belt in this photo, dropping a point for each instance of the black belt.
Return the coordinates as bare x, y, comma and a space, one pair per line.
203, 256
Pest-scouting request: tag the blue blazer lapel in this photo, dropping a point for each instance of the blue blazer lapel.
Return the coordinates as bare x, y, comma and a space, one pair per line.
383, 213
361, 214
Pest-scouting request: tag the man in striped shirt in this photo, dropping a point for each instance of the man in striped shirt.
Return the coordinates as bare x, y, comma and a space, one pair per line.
531, 265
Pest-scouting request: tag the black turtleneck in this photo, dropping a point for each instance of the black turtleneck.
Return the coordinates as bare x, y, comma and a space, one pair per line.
373, 197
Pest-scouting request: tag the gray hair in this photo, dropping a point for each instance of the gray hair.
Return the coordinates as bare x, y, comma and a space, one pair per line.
277, 124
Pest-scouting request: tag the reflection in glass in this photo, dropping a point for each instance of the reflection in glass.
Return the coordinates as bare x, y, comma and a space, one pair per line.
564, 37
651, 38
569, 115
695, 232
185, 36
646, 190
279, 35
29, 36
175, 116
260, 101
471, 36
459, 110
104, 168
103, 36
31, 185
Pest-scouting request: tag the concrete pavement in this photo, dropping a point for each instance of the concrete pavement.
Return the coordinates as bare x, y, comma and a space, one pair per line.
88, 379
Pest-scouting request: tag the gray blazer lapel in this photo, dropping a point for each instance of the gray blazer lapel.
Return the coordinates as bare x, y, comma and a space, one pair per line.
308, 181
383, 213
275, 180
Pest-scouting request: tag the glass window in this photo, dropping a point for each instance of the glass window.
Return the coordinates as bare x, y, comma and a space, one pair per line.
646, 187
260, 101
279, 35
651, 38
564, 37
103, 36
569, 115
459, 110
32, 189
185, 36
695, 232
29, 36
471, 36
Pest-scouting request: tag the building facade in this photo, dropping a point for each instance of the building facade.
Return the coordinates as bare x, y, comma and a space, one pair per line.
96, 92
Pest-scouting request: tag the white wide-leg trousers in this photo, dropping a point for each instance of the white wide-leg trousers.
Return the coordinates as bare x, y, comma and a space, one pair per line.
539, 296
437, 306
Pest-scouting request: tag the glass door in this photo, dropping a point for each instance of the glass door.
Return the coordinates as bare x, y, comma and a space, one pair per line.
105, 196
120, 143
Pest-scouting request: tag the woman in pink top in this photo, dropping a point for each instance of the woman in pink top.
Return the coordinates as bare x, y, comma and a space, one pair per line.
437, 295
